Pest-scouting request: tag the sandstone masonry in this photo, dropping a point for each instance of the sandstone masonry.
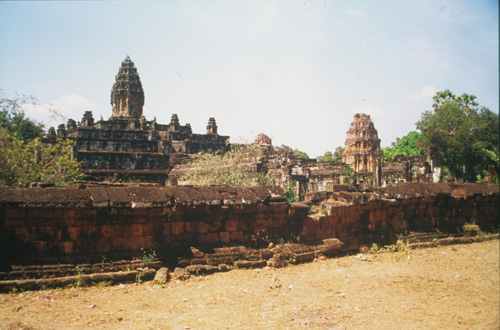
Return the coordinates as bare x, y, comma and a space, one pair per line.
86, 223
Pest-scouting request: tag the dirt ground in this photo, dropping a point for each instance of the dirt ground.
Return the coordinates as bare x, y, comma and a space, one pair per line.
452, 287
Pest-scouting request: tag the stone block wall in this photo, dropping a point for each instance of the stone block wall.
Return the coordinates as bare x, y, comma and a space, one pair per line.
88, 223
51, 225
361, 218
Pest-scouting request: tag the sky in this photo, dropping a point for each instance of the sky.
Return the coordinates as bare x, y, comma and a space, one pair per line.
296, 71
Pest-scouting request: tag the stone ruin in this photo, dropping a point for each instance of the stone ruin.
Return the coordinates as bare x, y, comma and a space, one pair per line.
48, 236
362, 146
362, 153
127, 147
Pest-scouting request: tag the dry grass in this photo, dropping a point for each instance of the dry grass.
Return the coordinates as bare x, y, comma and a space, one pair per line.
452, 287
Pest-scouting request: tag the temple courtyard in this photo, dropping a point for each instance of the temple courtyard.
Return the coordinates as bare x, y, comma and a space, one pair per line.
448, 287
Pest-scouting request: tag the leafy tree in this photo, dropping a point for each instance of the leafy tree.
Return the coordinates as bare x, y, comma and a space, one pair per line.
24, 162
234, 168
406, 146
13, 118
337, 154
461, 130
335, 157
23, 156
327, 157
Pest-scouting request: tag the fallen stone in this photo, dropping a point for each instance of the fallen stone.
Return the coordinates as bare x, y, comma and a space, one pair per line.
161, 275
304, 257
201, 269
224, 268
181, 274
250, 264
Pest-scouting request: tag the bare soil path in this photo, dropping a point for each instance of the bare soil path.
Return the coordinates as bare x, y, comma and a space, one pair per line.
451, 287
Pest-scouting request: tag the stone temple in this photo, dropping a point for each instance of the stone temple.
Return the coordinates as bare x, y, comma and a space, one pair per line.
362, 148
127, 147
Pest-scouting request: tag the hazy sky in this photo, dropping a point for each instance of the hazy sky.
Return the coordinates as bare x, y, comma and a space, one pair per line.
295, 70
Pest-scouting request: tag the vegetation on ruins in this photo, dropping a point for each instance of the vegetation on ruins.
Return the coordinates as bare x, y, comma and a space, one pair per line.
234, 168
300, 154
23, 156
465, 133
349, 175
290, 191
406, 146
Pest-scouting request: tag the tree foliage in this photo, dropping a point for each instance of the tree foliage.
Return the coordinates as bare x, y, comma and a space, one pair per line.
234, 168
13, 118
24, 162
335, 157
337, 154
23, 156
463, 131
327, 157
406, 146
349, 175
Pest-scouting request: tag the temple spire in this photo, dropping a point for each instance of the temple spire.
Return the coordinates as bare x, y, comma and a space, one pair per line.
362, 146
127, 95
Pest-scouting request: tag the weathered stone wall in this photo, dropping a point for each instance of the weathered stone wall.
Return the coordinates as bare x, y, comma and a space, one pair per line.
87, 224
45, 225
361, 218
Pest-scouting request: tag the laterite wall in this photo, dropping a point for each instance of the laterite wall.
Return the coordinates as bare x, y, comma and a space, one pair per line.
87, 224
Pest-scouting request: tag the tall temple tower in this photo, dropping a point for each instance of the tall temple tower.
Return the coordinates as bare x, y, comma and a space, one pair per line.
362, 146
127, 95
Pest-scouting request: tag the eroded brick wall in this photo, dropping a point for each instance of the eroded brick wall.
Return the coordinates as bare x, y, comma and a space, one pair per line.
87, 224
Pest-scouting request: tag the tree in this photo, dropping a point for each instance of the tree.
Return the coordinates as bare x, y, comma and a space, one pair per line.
327, 157
24, 162
335, 157
234, 168
13, 118
23, 156
406, 146
337, 154
461, 130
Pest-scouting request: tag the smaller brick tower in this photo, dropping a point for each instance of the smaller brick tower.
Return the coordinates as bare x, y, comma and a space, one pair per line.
127, 95
362, 146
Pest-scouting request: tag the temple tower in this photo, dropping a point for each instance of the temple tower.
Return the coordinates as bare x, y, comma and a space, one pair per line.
127, 95
362, 146
212, 126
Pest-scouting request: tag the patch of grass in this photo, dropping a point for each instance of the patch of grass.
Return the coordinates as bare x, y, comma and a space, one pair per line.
470, 226
400, 246
102, 284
